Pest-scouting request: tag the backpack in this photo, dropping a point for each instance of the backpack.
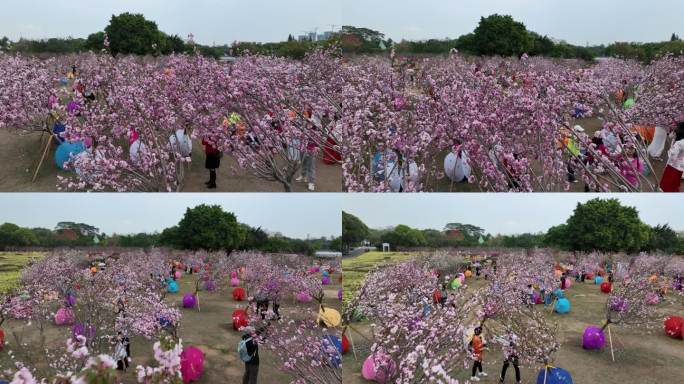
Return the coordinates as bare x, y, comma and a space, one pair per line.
242, 350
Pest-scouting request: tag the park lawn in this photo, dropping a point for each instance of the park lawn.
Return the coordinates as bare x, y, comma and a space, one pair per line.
11, 264
640, 357
209, 329
355, 268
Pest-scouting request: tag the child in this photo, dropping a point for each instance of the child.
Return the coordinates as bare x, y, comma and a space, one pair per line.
476, 347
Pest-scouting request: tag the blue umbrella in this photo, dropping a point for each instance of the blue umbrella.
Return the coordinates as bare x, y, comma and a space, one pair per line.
554, 376
172, 287
66, 150
562, 306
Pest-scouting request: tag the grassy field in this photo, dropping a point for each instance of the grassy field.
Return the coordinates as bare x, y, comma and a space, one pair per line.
355, 268
11, 264
640, 357
209, 329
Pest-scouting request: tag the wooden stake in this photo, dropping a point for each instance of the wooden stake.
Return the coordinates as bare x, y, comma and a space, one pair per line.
610, 338
42, 158
351, 340
553, 304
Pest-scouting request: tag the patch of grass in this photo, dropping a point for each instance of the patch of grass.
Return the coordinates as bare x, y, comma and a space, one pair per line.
11, 264
355, 268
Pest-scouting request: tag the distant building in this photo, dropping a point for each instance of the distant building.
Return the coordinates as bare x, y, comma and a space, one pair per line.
313, 36
325, 36
454, 234
67, 234
328, 254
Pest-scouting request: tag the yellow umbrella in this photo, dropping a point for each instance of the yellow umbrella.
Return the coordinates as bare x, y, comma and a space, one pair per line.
330, 317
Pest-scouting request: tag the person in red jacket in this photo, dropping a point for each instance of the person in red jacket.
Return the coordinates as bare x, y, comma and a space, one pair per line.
212, 162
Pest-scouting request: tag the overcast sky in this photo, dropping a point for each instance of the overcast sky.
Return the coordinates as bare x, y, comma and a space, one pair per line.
224, 21
503, 213
219, 21
294, 215
576, 21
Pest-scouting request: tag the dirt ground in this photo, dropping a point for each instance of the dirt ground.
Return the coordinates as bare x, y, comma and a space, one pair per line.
640, 357
209, 329
21, 154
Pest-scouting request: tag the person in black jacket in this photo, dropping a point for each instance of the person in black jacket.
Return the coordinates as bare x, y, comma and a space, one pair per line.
251, 366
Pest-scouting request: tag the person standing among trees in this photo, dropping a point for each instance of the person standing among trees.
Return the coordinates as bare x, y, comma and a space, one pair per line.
248, 350
672, 177
476, 347
276, 308
509, 348
122, 352
212, 162
308, 171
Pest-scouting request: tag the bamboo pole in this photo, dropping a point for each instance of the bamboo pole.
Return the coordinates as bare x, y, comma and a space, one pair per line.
546, 370
42, 158
610, 338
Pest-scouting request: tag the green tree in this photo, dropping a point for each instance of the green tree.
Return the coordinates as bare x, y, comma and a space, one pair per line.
664, 238
255, 238
501, 35
80, 228
470, 232
557, 236
336, 244
209, 227
404, 236
607, 226
174, 44
5, 43
674, 37
133, 34
433, 238
366, 34
354, 231
95, 42
169, 237
12, 235
542, 45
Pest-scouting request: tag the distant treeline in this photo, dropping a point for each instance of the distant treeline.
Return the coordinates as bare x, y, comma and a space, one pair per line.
597, 225
495, 35
502, 35
202, 227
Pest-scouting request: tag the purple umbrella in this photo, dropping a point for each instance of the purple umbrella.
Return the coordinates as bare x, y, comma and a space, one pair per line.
189, 301
593, 338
